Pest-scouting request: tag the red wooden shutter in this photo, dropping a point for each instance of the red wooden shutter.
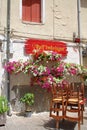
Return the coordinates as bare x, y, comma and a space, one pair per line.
31, 10
23, 9
36, 10
26, 10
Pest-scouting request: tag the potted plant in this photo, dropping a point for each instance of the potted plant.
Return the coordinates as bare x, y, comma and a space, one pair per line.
3, 109
28, 100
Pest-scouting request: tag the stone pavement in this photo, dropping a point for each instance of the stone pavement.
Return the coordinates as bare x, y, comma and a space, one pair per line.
40, 121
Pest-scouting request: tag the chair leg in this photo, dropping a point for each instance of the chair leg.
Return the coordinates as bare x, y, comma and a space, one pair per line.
58, 106
57, 124
65, 109
54, 107
50, 108
50, 113
82, 109
79, 117
78, 125
82, 117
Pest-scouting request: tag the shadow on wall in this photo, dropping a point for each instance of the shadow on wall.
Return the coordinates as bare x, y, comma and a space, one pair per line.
42, 98
84, 3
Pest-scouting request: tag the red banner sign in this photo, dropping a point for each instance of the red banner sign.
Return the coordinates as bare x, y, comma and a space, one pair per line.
45, 45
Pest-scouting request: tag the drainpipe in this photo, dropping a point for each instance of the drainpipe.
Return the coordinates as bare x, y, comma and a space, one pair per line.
53, 19
79, 32
7, 53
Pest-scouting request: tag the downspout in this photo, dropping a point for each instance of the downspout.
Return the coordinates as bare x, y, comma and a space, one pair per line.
7, 54
79, 32
53, 19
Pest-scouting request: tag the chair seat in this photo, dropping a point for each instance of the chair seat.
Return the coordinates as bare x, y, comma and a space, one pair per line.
58, 99
74, 100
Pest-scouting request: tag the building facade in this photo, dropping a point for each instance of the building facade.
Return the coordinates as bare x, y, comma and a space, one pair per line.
59, 20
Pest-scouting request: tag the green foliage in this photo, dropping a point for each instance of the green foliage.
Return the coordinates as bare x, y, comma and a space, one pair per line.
3, 104
28, 99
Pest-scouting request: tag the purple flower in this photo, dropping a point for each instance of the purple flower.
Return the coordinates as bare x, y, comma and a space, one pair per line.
72, 71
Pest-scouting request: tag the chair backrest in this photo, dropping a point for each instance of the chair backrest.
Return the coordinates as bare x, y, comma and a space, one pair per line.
58, 90
76, 90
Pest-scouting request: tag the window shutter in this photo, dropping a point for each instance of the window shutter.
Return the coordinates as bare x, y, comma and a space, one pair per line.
36, 10
26, 10
31, 10
23, 9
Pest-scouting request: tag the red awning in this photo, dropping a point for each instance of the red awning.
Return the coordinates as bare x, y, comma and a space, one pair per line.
45, 45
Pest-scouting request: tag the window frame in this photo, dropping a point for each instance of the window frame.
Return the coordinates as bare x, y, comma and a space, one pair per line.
42, 13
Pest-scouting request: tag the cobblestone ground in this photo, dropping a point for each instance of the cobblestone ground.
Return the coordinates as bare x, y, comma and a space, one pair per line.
40, 121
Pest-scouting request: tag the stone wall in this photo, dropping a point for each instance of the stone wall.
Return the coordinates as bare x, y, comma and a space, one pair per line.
42, 98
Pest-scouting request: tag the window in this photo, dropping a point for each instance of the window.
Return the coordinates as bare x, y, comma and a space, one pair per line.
32, 10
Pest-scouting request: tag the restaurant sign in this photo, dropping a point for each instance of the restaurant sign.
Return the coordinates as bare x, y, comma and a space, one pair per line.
45, 45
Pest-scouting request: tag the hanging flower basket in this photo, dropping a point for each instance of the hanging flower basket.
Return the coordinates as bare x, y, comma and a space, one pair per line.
44, 74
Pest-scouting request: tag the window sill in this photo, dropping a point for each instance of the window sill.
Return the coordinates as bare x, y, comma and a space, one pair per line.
32, 23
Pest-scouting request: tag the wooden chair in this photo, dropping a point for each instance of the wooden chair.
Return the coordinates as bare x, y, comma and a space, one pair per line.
57, 109
73, 89
75, 103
